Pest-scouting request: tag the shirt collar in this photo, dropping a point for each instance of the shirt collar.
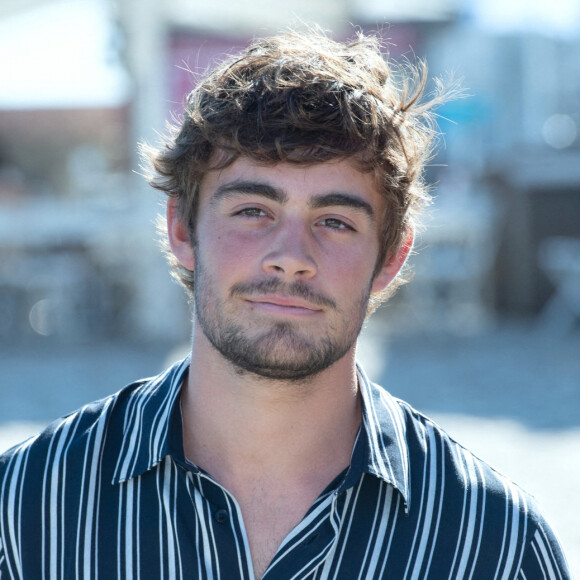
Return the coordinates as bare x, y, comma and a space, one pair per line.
149, 411
146, 419
385, 428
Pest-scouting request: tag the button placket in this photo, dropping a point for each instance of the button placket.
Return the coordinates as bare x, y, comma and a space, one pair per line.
221, 516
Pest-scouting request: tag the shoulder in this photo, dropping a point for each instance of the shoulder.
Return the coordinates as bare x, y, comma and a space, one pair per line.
54, 471
71, 436
93, 439
437, 455
464, 496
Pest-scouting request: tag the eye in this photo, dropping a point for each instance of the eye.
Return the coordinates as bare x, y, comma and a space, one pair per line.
252, 212
335, 224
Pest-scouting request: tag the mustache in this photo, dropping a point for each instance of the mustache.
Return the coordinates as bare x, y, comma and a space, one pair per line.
298, 288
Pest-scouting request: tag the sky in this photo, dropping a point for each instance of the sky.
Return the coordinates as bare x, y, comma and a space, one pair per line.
551, 17
60, 54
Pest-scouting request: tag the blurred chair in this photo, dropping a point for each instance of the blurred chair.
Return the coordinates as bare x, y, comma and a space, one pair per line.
559, 259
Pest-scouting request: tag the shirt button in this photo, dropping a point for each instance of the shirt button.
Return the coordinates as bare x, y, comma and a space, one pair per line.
221, 516
311, 539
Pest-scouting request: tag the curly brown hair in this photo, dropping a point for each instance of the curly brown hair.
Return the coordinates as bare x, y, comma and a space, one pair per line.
304, 98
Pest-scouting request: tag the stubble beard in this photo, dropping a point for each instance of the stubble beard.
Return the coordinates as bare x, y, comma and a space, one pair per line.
281, 350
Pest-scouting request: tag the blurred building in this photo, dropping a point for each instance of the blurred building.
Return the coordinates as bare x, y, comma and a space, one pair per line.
517, 145
77, 256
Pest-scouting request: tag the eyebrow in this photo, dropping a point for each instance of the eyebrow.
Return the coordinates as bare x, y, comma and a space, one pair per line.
345, 200
234, 188
237, 187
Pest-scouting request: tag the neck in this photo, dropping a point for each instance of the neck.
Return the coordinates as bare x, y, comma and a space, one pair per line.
238, 426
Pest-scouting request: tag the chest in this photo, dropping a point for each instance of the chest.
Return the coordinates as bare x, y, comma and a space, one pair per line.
267, 522
174, 525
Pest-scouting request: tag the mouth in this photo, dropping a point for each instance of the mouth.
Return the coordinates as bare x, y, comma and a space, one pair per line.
284, 305
295, 298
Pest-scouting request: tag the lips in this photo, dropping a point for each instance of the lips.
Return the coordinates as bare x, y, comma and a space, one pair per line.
296, 294
283, 305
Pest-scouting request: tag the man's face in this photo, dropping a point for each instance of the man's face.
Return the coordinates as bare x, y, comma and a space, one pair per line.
284, 263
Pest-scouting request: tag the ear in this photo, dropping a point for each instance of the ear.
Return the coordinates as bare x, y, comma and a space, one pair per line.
178, 236
394, 263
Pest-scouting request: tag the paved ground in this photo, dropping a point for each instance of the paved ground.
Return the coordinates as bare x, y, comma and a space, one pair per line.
512, 396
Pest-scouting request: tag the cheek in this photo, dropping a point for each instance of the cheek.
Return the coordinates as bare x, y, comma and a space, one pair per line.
228, 252
359, 257
348, 268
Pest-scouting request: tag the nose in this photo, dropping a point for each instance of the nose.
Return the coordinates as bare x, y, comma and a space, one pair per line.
290, 254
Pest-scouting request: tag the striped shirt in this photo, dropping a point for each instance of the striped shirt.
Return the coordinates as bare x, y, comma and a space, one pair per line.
107, 492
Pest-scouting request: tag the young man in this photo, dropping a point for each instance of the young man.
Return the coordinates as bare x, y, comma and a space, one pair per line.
294, 183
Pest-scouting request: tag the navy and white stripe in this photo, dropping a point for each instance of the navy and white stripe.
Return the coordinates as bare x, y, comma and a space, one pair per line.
106, 492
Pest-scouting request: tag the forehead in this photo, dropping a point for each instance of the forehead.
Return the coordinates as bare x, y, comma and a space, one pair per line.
297, 181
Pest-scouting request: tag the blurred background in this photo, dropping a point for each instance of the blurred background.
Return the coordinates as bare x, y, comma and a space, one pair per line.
487, 336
